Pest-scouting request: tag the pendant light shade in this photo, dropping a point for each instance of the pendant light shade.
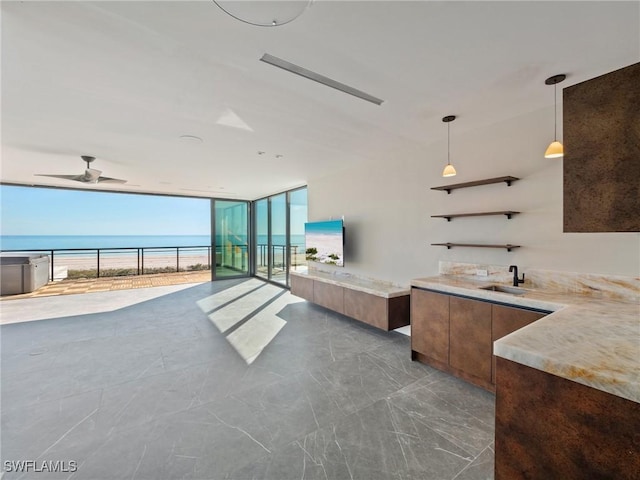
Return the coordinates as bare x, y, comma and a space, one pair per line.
555, 148
448, 171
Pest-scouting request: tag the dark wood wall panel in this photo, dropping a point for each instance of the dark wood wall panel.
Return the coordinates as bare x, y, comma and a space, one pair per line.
602, 153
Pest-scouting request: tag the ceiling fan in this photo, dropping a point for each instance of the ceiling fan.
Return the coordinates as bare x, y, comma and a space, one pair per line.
90, 175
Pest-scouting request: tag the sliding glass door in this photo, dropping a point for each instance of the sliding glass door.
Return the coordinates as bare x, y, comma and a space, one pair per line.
231, 235
279, 261
279, 239
278, 236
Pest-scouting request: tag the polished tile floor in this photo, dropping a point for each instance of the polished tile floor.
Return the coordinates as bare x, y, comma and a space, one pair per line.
236, 379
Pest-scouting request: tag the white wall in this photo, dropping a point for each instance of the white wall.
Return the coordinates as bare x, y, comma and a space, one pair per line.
387, 208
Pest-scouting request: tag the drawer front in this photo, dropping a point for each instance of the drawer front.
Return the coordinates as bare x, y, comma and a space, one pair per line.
430, 324
329, 296
507, 320
367, 308
470, 337
302, 287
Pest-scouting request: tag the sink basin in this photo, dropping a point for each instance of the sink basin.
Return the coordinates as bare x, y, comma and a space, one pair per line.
504, 289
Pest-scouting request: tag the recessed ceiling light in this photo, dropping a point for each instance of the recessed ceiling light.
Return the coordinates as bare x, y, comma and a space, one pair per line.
190, 139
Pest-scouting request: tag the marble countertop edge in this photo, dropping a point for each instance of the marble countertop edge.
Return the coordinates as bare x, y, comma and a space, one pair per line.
620, 385
473, 289
378, 288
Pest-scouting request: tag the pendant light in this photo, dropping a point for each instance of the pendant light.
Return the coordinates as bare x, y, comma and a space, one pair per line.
448, 171
555, 148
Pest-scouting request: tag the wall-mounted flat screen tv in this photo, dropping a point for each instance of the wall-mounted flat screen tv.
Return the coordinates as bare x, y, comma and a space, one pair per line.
324, 242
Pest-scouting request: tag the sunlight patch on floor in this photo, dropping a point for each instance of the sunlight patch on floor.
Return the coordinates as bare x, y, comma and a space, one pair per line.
248, 314
251, 338
228, 316
210, 303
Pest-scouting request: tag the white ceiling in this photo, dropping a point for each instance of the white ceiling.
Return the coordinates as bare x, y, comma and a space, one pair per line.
123, 80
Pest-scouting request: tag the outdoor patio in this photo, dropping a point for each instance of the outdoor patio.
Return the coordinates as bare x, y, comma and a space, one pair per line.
89, 285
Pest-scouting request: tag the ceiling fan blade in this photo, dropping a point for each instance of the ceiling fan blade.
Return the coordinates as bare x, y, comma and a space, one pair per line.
90, 175
77, 178
110, 180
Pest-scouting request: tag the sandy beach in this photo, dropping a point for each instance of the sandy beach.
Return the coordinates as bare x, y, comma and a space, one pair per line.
88, 262
329, 248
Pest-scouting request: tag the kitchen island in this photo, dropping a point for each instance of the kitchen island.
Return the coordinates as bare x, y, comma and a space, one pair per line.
567, 385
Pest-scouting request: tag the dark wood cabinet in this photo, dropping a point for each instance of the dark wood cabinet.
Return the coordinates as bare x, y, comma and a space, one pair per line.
549, 427
506, 320
381, 312
387, 311
470, 347
456, 334
430, 324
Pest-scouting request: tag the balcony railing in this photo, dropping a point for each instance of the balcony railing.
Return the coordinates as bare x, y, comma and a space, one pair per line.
278, 254
132, 261
124, 261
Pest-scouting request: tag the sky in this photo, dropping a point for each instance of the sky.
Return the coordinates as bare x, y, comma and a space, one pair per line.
52, 211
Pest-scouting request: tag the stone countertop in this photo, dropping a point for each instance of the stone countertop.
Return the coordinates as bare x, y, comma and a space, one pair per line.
366, 285
592, 341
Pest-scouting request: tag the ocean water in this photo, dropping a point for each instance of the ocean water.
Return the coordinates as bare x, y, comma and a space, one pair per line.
297, 240
61, 242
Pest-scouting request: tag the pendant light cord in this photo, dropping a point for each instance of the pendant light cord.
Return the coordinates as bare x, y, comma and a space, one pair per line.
555, 111
448, 143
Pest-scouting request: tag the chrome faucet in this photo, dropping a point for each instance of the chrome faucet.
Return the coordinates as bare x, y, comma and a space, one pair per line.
516, 280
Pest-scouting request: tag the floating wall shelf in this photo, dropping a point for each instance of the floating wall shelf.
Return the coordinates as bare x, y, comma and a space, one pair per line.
508, 213
488, 181
449, 245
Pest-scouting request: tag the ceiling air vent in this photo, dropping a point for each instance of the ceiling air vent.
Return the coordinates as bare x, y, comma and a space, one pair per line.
316, 77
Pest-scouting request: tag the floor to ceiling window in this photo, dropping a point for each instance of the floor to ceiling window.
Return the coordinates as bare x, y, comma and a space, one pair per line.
297, 219
231, 235
261, 212
279, 227
278, 216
